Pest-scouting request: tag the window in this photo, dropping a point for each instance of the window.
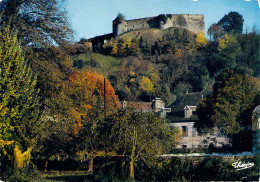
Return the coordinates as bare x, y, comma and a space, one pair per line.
184, 131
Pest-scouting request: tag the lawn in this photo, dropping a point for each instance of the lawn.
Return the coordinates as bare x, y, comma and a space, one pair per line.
106, 65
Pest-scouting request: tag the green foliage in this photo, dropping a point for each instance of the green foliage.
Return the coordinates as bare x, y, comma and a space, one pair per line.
231, 103
19, 112
187, 169
29, 173
228, 49
250, 46
141, 137
232, 22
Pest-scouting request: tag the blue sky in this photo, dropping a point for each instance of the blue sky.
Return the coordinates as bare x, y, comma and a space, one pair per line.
91, 18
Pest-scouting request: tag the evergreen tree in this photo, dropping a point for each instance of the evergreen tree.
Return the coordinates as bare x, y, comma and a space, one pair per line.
233, 21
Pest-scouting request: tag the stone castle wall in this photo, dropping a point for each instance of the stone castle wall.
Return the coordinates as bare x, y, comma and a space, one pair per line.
194, 23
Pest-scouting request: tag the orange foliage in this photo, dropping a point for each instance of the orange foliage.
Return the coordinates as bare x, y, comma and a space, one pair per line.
179, 53
87, 92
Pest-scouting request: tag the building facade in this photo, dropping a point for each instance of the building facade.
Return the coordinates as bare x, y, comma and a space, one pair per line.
183, 117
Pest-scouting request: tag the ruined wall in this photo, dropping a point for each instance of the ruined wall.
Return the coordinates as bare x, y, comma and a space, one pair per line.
194, 23
141, 24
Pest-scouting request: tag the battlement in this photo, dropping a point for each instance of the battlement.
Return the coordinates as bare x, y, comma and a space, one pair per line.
193, 23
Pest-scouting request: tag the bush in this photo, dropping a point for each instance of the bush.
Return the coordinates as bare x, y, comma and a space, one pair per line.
21, 175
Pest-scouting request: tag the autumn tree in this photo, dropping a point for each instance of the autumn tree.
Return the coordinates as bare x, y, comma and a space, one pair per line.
85, 99
141, 137
19, 101
114, 49
124, 46
84, 92
146, 85
215, 32
201, 41
230, 105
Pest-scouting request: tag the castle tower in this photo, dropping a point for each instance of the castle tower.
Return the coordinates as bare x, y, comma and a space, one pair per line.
119, 26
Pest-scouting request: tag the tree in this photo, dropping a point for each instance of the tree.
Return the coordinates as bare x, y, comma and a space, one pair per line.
81, 94
231, 104
124, 46
141, 137
215, 32
114, 50
146, 85
250, 46
120, 17
80, 107
19, 101
38, 22
201, 40
233, 21
228, 49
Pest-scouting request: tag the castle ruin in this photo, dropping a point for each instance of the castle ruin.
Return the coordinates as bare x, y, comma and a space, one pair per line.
193, 23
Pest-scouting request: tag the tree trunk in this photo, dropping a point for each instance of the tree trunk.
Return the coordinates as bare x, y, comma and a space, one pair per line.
90, 167
132, 159
58, 157
22, 159
131, 168
46, 164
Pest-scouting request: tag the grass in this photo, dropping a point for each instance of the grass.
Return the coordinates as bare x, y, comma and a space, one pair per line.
65, 176
107, 65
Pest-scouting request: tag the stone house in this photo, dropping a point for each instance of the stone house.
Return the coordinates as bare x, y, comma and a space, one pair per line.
183, 116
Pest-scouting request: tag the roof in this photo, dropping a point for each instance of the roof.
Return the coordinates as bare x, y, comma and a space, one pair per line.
176, 119
137, 105
189, 99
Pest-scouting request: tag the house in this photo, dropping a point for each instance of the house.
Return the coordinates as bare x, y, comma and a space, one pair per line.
157, 106
183, 116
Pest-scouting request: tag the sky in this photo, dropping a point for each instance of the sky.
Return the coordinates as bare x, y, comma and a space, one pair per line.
90, 18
